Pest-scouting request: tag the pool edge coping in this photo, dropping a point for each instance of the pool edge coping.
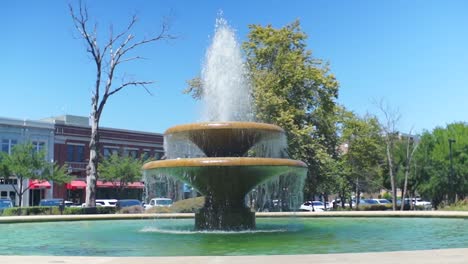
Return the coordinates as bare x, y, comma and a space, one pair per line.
369, 214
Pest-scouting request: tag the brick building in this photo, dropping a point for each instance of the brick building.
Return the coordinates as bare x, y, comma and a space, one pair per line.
72, 136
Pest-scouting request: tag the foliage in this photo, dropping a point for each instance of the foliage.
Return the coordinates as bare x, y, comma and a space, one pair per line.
362, 152
190, 205
121, 170
432, 161
458, 206
34, 210
27, 163
136, 209
294, 90
54, 210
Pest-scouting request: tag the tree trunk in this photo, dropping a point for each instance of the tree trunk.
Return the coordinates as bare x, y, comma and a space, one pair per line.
405, 187
91, 170
20, 193
392, 177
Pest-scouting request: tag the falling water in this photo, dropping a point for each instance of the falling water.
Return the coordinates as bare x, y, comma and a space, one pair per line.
226, 89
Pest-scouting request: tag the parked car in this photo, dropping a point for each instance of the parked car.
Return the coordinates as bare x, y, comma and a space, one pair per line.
159, 202
104, 203
419, 202
313, 206
382, 201
55, 202
4, 204
51, 202
127, 203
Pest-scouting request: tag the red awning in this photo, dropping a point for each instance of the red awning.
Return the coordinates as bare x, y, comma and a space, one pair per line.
74, 185
110, 184
39, 184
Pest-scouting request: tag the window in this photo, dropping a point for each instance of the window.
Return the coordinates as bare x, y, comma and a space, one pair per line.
8, 144
75, 153
12, 196
110, 151
158, 155
38, 145
80, 153
132, 153
4, 181
70, 152
4, 194
145, 154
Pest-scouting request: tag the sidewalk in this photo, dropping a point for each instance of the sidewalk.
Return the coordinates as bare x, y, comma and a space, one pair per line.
444, 256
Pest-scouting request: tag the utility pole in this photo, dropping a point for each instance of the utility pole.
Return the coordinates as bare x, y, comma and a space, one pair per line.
451, 178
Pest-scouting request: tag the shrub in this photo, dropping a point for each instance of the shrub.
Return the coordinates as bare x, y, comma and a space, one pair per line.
183, 206
191, 205
159, 210
458, 206
136, 209
89, 210
54, 210
375, 207
34, 210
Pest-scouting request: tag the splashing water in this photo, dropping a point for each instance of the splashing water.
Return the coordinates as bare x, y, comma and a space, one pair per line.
226, 88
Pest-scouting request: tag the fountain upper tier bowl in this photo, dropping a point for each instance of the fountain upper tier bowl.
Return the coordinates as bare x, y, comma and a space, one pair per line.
225, 139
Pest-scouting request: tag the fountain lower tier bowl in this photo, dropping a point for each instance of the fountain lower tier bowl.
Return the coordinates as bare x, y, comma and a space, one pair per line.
225, 182
225, 139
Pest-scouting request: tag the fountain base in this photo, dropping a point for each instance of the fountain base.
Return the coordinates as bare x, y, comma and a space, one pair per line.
225, 219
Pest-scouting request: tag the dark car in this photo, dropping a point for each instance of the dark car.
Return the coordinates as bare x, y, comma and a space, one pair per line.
5, 203
127, 203
51, 202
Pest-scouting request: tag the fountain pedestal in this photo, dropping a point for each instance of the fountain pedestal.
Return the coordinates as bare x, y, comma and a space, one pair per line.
224, 219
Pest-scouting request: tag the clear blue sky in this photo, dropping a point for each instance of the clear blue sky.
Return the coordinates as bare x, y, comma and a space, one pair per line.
412, 53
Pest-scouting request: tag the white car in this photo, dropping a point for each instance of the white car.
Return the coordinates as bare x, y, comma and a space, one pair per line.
422, 203
159, 202
313, 206
104, 203
382, 201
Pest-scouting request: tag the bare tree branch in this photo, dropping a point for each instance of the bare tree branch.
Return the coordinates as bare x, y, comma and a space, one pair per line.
112, 54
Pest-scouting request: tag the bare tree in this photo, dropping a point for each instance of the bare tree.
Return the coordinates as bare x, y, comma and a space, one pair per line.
107, 59
391, 118
411, 146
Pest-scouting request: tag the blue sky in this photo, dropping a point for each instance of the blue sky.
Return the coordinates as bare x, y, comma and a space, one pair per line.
413, 54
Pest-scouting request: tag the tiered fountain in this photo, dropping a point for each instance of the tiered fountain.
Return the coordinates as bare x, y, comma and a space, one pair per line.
225, 174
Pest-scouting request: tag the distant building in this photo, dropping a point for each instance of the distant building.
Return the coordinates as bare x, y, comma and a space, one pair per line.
41, 135
72, 136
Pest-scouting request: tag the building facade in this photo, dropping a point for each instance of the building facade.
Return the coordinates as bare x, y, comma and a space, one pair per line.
41, 135
72, 136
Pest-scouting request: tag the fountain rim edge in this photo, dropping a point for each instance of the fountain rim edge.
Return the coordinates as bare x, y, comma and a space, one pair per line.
234, 125
222, 162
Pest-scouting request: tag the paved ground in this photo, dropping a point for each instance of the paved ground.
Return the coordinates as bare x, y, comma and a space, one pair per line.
446, 256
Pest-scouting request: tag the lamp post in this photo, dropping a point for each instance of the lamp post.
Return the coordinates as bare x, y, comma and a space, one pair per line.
451, 141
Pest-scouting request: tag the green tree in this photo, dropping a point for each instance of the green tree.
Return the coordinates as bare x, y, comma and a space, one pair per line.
433, 168
295, 91
363, 154
25, 163
120, 171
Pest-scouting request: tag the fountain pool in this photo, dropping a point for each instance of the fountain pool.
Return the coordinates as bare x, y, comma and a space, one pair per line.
273, 236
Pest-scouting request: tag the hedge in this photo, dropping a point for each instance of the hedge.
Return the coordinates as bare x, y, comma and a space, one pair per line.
54, 210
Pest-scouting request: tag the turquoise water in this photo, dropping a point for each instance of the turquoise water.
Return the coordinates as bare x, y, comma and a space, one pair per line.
169, 237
